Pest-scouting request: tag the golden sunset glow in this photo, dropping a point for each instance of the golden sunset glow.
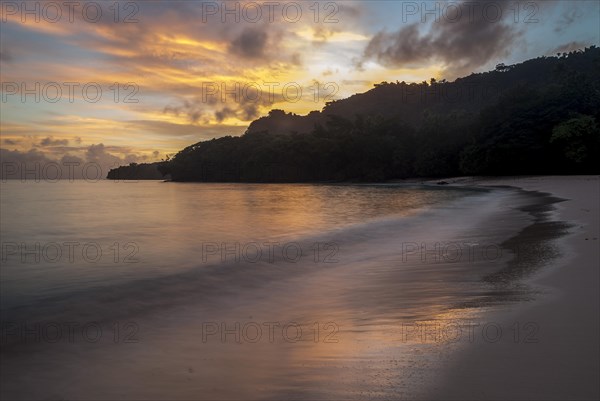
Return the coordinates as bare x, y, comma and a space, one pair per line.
172, 74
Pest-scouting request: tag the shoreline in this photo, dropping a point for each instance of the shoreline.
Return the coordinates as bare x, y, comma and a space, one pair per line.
563, 361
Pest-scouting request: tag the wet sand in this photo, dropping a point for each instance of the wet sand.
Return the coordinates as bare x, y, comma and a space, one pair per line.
557, 354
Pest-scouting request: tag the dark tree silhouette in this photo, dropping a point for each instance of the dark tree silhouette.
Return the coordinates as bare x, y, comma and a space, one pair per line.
537, 117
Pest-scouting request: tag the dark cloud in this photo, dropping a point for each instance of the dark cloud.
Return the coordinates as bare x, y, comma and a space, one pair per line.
349, 11
33, 155
224, 113
194, 110
11, 141
568, 17
403, 47
251, 43
50, 141
30, 165
231, 99
37, 165
250, 112
100, 154
245, 112
463, 44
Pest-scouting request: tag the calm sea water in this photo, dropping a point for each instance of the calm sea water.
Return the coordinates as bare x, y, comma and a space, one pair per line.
116, 290
69, 236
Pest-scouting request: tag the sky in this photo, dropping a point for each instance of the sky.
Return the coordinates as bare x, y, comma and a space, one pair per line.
134, 81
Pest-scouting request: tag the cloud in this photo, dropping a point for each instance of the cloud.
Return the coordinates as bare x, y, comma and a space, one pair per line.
245, 112
224, 113
6, 56
568, 17
405, 46
169, 53
17, 165
33, 155
11, 142
296, 59
321, 33
569, 47
194, 110
242, 100
187, 133
101, 155
36, 164
251, 43
172, 51
462, 45
50, 141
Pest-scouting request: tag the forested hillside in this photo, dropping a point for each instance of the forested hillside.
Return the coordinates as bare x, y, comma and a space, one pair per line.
538, 117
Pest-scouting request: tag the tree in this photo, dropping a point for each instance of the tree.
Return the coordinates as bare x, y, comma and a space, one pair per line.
579, 137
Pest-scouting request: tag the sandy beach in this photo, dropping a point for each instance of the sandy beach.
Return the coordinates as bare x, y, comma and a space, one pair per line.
562, 360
